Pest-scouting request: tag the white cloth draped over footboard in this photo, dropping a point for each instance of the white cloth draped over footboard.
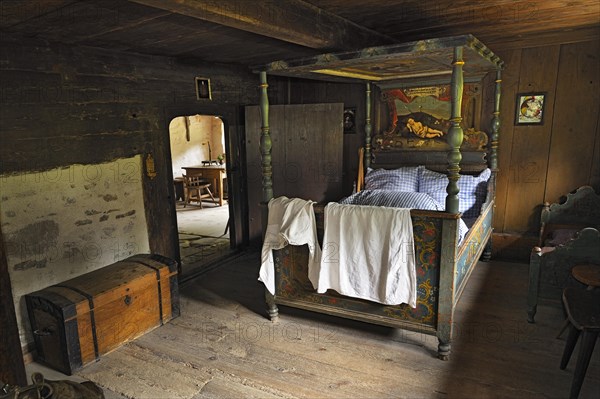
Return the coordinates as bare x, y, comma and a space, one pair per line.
291, 221
368, 253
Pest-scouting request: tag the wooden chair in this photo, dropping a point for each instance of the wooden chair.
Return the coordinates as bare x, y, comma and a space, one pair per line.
583, 312
195, 189
569, 236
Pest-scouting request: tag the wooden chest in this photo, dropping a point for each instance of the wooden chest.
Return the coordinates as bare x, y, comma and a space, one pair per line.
77, 321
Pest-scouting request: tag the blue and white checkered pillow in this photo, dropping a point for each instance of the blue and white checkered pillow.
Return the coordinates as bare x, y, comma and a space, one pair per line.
401, 179
399, 199
473, 187
394, 199
472, 190
434, 184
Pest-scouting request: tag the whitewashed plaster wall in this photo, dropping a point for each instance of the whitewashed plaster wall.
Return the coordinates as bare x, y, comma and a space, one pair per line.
202, 130
217, 137
64, 222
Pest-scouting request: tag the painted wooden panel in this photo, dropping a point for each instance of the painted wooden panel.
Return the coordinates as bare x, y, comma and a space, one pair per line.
306, 154
353, 96
531, 143
576, 107
292, 282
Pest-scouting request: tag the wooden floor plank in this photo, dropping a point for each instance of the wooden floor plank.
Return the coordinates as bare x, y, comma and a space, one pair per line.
223, 346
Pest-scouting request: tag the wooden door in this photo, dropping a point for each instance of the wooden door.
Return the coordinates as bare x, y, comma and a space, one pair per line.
307, 155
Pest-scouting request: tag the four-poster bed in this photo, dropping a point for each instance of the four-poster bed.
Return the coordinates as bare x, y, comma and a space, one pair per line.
428, 73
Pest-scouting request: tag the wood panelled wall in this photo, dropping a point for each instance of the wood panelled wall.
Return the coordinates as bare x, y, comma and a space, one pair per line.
543, 163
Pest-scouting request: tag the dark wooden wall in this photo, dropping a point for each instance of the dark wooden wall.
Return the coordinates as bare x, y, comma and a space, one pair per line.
65, 105
543, 163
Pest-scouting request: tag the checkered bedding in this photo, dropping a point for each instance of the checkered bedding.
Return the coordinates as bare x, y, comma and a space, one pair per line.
420, 188
401, 199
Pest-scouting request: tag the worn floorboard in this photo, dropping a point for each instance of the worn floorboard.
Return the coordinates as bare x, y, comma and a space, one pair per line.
223, 346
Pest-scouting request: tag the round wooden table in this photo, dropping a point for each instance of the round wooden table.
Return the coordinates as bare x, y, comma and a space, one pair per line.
588, 274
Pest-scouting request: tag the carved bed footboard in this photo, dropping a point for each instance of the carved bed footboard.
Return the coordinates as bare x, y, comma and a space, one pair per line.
442, 269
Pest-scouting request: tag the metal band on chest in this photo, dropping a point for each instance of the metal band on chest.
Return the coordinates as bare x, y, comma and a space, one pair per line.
90, 300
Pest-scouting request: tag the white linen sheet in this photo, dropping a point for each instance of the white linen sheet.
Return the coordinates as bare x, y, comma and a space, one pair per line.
291, 221
368, 253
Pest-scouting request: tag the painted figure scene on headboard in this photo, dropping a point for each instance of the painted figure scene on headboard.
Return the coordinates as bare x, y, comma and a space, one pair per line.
419, 118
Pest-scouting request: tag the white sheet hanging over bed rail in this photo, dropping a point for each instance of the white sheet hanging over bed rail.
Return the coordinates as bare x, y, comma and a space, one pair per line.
368, 253
291, 221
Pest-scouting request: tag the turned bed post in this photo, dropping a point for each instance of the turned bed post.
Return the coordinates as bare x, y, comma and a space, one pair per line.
496, 123
265, 144
450, 227
368, 126
267, 175
487, 252
455, 133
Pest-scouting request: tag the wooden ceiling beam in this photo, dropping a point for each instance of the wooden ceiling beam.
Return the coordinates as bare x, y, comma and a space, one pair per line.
547, 38
521, 17
292, 21
16, 12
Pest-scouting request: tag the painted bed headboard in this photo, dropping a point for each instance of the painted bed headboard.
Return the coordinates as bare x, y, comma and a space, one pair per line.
471, 162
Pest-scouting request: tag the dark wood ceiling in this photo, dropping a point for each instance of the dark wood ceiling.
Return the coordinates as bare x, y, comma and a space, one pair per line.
256, 32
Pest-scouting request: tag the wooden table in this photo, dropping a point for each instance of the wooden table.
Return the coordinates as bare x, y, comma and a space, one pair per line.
216, 173
588, 274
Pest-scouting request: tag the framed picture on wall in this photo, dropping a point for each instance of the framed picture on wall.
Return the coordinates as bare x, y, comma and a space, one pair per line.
530, 108
203, 91
349, 120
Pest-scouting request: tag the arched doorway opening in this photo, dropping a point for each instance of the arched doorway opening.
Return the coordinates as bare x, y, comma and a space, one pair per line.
198, 152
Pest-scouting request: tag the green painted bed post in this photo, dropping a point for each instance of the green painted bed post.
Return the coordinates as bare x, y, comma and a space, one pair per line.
487, 252
267, 176
496, 123
455, 133
368, 126
448, 255
450, 227
265, 145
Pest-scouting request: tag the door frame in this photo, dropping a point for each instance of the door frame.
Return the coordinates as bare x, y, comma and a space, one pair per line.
235, 164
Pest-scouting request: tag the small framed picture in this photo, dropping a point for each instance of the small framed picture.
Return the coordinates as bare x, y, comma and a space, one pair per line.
530, 108
203, 89
349, 120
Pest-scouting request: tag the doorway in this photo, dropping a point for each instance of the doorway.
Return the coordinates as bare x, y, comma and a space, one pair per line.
198, 152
